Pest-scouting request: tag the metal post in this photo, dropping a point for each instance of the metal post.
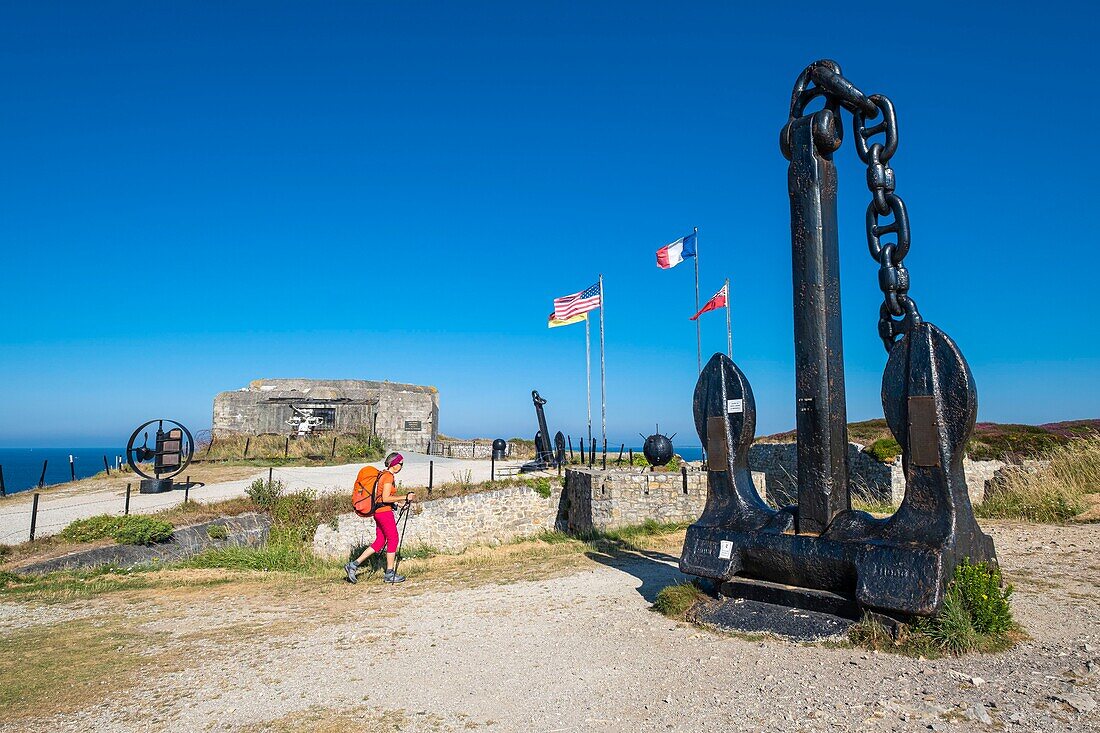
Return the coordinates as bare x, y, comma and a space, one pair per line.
34, 514
247, 442
431, 476
106, 466
631, 456
605, 454
819, 352
698, 328
570, 439
186, 489
620, 461
588, 376
603, 373
684, 473
584, 458
126, 509
729, 333
210, 444
3, 488
286, 447
42, 478
333, 455
493, 468
72, 467
269, 472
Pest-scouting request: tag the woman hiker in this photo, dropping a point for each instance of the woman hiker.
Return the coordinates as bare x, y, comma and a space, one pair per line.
384, 519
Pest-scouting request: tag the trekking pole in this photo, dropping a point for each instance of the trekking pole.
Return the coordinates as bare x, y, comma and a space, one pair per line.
401, 537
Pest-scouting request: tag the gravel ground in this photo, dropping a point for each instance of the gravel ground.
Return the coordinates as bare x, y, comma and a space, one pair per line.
58, 508
582, 652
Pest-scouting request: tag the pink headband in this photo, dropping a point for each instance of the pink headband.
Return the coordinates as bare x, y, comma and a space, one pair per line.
395, 460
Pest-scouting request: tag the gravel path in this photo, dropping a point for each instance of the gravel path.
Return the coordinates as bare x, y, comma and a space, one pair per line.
582, 652
57, 509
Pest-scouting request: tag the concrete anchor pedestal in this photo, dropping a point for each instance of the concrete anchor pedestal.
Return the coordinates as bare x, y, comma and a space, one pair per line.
155, 485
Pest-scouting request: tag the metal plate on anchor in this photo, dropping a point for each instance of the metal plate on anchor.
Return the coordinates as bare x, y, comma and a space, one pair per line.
924, 448
717, 454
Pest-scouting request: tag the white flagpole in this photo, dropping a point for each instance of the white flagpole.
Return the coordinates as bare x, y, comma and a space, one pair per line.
729, 333
698, 328
603, 375
588, 372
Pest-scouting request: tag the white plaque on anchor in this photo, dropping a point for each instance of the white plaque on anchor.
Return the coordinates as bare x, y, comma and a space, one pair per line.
733, 406
725, 549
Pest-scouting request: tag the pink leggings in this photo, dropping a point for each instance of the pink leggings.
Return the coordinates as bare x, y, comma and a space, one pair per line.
385, 532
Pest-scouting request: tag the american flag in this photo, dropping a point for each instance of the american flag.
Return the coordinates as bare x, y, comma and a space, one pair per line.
577, 303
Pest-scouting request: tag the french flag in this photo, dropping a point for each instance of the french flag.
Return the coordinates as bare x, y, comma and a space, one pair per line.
673, 254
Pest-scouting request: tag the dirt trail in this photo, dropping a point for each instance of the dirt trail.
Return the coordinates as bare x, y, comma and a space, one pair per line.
582, 652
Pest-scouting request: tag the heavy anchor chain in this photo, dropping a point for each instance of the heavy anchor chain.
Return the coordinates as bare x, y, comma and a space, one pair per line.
898, 312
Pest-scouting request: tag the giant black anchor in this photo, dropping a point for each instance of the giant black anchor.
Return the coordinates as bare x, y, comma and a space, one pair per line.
899, 565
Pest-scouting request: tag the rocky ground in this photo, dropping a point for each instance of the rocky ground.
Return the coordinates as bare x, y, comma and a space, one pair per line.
552, 642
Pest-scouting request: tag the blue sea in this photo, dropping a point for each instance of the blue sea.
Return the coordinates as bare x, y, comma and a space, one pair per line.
22, 467
687, 452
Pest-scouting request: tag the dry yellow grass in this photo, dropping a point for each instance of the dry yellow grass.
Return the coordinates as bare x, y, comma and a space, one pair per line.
1057, 491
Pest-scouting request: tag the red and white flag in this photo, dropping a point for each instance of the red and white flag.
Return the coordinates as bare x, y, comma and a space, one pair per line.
718, 300
573, 305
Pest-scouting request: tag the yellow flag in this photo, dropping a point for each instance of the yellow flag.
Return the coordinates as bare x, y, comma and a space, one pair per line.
554, 322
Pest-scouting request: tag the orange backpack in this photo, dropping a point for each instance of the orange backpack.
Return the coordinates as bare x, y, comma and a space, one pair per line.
364, 497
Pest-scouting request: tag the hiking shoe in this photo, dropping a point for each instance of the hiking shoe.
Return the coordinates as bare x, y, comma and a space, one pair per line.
392, 577
351, 569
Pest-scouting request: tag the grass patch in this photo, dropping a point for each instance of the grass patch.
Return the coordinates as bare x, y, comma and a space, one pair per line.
126, 530
462, 485
217, 532
975, 617
884, 450
676, 600
1052, 493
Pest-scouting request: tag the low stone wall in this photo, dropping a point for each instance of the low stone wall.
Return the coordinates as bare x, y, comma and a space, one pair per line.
600, 500
778, 463
453, 524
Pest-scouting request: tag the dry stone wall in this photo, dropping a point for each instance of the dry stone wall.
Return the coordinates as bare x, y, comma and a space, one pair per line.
452, 524
601, 500
877, 481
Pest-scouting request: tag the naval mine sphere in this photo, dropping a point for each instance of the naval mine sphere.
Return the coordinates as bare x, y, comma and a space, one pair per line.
658, 449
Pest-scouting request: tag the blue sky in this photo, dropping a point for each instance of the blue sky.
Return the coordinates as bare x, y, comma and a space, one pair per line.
195, 195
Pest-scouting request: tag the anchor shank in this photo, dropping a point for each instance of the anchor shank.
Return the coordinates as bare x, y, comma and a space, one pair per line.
821, 417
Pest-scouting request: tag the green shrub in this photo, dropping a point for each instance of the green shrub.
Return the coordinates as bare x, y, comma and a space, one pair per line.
885, 450
364, 447
217, 532
675, 601
264, 494
135, 530
978, 589
91, 529
541, 486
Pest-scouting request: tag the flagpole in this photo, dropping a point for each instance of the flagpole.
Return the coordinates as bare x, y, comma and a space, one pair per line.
698, 328
588, 371
729, 333
603, 374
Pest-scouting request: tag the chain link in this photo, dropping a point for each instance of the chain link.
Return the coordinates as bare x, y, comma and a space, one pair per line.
898, 313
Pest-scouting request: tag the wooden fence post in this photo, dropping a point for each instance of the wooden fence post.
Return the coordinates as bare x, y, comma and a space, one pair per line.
34, 513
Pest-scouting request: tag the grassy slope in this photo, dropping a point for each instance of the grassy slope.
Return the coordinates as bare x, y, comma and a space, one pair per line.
989, 440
